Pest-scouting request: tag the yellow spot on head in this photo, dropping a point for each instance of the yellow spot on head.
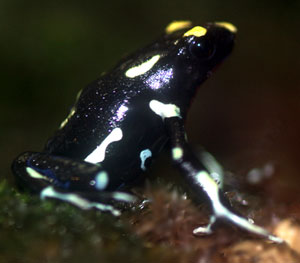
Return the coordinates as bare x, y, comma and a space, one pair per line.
197, 31
228, 26
177, 25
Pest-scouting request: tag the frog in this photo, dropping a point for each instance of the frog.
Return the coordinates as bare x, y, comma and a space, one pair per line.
123, 120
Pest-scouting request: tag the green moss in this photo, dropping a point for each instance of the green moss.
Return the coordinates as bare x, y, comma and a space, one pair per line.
32, 230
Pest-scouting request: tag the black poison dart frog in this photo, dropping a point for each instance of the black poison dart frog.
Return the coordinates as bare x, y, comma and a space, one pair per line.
123, 120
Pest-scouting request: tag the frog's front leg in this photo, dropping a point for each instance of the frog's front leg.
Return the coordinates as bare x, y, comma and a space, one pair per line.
77, 182
200, 180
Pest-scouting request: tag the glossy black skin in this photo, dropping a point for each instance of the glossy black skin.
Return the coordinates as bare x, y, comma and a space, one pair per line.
96, 113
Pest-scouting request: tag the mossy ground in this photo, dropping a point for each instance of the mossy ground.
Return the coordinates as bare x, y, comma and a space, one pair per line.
45, 231
32, 231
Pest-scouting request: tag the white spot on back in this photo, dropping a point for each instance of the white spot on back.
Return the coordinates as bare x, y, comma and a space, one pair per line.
98, 155
164, 110
142, 68
144, 155
101, 180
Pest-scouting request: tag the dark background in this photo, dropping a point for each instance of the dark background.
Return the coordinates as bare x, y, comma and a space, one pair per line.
247, 114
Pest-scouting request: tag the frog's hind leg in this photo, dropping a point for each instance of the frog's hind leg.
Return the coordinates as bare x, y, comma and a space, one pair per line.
80, 183
200, 180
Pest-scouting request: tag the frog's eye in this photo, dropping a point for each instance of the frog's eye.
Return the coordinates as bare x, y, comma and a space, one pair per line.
202, 48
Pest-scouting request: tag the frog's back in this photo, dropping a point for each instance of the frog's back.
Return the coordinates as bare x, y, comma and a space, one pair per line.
110, 124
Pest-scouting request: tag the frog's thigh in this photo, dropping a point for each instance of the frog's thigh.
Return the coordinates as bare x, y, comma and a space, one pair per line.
77, 182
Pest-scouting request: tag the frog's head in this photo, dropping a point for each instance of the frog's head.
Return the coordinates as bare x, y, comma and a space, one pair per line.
197, 50
180, 60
